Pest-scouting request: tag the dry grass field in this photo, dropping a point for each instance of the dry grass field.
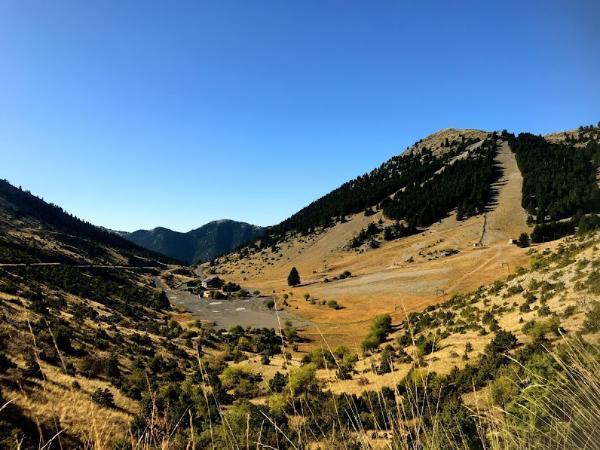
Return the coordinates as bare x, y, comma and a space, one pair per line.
556, 284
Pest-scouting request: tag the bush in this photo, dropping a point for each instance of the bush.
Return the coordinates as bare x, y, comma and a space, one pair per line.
103, 397
269, 304
304, 379
503, 390
380, 328
333, 304
591, 323
539, 329
523, 240
5, 363
241, 380
278, 382
91, 366
231, 287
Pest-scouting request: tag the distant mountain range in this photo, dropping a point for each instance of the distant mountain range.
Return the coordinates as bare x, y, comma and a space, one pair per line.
202, 244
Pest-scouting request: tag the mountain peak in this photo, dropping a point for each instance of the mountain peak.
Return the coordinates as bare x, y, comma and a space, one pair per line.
436, 142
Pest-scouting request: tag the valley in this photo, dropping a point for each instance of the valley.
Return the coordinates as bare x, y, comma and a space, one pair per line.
283, 225
105, 344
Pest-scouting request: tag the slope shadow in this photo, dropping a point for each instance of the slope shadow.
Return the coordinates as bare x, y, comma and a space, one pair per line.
495, 185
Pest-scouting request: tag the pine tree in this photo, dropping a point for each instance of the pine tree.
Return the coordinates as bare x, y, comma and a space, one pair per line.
523, 240
293, 277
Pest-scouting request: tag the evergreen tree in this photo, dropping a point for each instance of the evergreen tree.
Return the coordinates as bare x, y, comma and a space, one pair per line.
523, 240
293, 277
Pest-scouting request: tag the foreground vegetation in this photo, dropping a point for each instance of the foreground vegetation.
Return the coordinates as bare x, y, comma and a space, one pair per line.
163, 385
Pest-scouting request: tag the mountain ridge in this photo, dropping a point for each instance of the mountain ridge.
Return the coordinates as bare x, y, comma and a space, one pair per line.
199, 244
65, 237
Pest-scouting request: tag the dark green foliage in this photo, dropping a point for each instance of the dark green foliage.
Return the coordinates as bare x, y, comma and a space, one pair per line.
545, 232
117, 290
278, 382
5, 364
385, 362
558, 179
202, 244
502, 342
32, 367
294, 277
380, 328
592, 318
78, 233
397, 231
426, 344
91, 366
256, 340
62, 337
231, 287
104, 398
269, 303
464, 185
111, 367
588, 223
160, 301
345, 362
368, 190
365, 234
334, 304
523, 240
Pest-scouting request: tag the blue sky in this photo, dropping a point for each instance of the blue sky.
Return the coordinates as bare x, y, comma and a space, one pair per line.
133, 114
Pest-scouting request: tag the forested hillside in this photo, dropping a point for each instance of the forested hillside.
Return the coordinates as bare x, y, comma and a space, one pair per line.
433, 178
465, 185
56, 231
202, 244
366, 192
559, 178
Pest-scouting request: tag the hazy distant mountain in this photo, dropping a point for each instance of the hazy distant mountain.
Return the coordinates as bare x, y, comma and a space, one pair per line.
202, 244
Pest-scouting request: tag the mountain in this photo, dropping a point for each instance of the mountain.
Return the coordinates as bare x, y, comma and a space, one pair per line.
74, 300
434, 310
436, 220
32, 230
202, 244
434, 306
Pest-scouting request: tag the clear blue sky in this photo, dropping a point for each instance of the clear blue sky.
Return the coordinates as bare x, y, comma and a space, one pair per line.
133, 114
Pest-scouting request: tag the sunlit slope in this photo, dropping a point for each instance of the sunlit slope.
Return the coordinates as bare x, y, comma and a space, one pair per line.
401, 275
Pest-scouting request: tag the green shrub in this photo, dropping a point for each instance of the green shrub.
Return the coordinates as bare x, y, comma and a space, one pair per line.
103, 397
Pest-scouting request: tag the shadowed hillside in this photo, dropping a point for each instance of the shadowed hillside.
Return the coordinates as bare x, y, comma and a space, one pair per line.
202, 244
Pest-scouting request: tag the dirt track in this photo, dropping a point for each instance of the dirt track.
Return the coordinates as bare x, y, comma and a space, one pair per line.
506, 218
